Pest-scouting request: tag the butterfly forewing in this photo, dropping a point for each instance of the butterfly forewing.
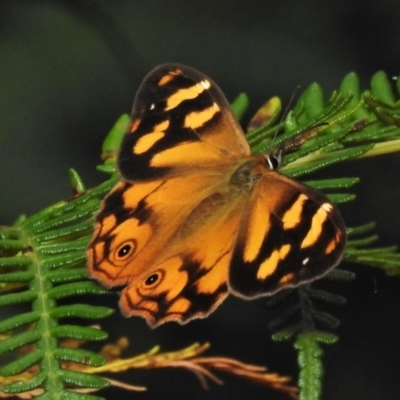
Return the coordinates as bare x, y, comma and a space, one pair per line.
180, 121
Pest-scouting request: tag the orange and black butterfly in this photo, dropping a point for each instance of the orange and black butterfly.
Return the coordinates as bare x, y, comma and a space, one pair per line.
196, 216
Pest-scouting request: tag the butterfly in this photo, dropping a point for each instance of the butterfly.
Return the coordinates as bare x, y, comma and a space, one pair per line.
196, 216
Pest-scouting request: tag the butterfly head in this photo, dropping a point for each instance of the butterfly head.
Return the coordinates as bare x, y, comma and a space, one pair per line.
274, 159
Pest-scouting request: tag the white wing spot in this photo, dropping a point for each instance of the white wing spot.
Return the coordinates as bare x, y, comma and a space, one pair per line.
205, 84
327, 207
305, 261
152, 106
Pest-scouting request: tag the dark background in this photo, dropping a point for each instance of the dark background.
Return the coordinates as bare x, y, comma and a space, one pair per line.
68, 69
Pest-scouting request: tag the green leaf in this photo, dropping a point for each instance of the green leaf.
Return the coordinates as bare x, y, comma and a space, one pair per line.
19, 340
240, 105
80, 356
337, 183
70, 289
22, 363
77, 184
340, 198
17, 261
313, 98
381, 88
20, 276
78, 332
26, 386
326, 297
80, 311
81, 379
17, 298
78, 396
67, 275
18, 320
64, 260
114, 138
310, 361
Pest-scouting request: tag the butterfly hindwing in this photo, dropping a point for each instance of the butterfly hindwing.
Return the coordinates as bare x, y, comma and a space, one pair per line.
189, 280
179, 111
290, 234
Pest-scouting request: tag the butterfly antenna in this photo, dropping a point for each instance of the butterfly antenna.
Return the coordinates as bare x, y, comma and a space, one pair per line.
287, 108
274, 158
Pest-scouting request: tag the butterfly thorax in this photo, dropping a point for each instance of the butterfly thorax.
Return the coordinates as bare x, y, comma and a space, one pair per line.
249, 172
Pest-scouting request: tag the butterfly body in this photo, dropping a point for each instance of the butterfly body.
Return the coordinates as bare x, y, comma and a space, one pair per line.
196, 216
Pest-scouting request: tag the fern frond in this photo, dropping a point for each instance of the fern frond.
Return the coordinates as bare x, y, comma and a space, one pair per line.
45, 254
357, 251
310, 362
301, 320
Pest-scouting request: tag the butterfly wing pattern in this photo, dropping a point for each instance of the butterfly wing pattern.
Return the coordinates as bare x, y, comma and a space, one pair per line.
196, 216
